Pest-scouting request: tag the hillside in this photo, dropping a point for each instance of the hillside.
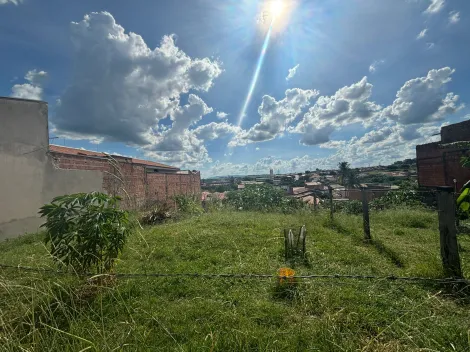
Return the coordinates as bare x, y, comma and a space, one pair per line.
45, 312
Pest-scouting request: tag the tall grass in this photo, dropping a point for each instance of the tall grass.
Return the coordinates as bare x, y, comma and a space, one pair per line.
41, 312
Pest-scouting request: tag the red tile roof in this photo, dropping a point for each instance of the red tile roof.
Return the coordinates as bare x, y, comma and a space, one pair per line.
82, 152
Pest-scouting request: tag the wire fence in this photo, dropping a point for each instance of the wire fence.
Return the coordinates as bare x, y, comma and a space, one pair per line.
242, 276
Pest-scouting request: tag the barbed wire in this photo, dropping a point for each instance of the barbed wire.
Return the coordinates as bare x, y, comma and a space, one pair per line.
244, 276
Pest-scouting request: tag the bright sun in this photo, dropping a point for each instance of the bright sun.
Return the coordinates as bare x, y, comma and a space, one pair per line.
276, 8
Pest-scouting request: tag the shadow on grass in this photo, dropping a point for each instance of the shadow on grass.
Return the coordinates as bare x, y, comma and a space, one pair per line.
458, 292
287, 291
389, 253
336, 226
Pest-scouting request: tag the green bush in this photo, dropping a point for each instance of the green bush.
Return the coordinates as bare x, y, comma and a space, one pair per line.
262, 197
353, 207
86, 230
158, 213
401, 197
188, 204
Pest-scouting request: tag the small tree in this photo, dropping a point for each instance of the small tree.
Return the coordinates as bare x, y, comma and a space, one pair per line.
343, 171
352, 178
86, 230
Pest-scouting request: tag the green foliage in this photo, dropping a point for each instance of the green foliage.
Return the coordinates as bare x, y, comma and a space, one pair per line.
401, 197
353, 207
188, 204
157, 214
86, 230
220, 188
44, 312
465, 160
262, 197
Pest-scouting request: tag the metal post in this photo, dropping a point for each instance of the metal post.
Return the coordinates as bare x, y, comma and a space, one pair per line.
448, 233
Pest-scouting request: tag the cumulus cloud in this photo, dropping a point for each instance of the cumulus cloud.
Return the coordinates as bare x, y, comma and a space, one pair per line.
422, 34
435, 6
215, 130
374, 66
423, 100
32, 90
221, 115
292, 72
174, 139
348, 105
376, 147
454, 17
121, 88
14, 2
276, 116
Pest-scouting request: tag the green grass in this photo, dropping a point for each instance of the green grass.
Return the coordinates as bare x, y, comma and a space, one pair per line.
41, 312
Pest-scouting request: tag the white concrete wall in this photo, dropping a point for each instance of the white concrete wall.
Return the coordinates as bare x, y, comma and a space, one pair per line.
28, 178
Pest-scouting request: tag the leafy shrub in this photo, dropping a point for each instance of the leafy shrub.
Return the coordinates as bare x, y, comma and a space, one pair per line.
188, 204
262, 197
86, 230
158, 213
402, 197
353, 207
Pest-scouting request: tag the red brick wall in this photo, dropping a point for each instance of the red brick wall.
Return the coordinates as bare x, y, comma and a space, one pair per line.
440, 166
356, 194
456, 132
131, 181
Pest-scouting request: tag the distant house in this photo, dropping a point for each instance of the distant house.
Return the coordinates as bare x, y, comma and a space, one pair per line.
314, 185
439, 163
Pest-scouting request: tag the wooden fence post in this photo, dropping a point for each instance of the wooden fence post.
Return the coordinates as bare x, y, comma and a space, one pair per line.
330, 191
448, 232
314, 202
365, 214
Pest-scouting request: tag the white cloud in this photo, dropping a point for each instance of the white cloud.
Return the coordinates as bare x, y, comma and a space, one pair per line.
374, 66
423, 99
32, 90
128, 88
435, 6
348, 105
276, 116
35, 76
380, 146
221, 115
26, 91
422, 34
454, 17
257, 148
215, 130
14, 2
292, 72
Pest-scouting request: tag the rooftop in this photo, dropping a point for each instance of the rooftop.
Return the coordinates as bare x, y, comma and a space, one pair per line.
83, 152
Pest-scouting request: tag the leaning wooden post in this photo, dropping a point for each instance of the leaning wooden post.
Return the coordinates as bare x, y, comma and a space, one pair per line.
365, 215
448, 233
330, 191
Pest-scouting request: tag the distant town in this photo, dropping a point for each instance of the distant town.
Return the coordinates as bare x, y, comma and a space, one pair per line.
346, 182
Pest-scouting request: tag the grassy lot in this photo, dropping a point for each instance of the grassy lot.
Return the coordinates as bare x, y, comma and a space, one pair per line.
41, 312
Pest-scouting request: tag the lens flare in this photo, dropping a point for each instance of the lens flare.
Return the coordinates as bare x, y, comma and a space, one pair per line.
276, 8
256, 75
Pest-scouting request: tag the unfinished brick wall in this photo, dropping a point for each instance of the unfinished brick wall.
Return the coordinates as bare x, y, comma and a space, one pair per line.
439, 166
132, 182
456, 132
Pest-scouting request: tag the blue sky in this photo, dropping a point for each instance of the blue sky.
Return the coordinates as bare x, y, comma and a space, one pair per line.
356, 80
